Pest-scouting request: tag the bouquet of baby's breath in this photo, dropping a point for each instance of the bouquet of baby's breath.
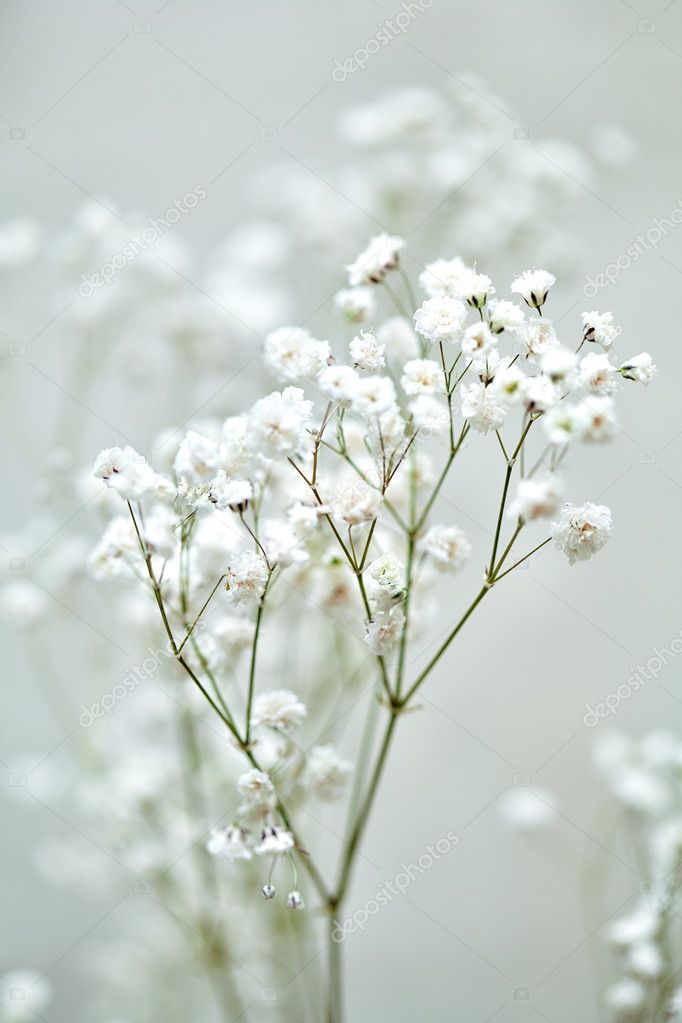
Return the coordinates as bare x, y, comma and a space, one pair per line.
324, 491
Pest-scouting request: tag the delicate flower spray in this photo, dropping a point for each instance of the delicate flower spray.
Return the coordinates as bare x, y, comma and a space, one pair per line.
327, 488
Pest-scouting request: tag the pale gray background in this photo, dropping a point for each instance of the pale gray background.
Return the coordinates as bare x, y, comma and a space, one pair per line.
141, 117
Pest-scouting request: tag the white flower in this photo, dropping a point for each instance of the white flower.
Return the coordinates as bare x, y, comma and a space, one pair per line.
295, 901
440, 319
399, 340
447, 546
476, 288
326, 773
274, 840
640, 368
388, 571
247, 576
422, 376
533, 286
277, 423
278, 708
380, 257
641, 925
257, 790
366, 352
645, 961
292, 352
233, 450
197, 459
600, 328
537, 337
597, 374
445, 278
338, 381
125, 471
373, 395
229, 844
599, 419
384, 631
478, 340
356, 502
228, 493
566, 422
505, 315
482, 408
539, 394
626, 1001
582, 530
536, 499
559, 365
357, 305
507, 382
429, 414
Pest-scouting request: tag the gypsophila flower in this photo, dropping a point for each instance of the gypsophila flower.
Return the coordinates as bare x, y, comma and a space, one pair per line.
197, 459
505, 315
597, 374
268, 891
339, 381
381, 256
600, 328
366, 352
536, 499
476, 289
356, 502
445, 278
125, 471
447, 547
478, 340
559, 365
295, 901
482, 407
508, 381
537, 337
325, 773
357, 305
640, 368
247, 576
539, 394
228, 493
440, 319
384, 631
274, 841
599, 421
388, 571
533, 286
229, 844
422, 376
258, 791
277, 423
582, 530
279, 709
429, 415
566, 422
398, 338
373, 395
292, 352
625, 1001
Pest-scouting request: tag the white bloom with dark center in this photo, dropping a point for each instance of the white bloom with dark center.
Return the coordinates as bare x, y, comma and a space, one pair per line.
505, 315
476, 288
559, 365
381, 256
274, 841
325, 773
599, 419
384, 630
482, 408
279, 709
247, 576
600, 328
447, 547
277, 423
366, 352
229, 844
228, 493
422, 376
533, 286
291, 353
536, 499
539, 394
597, 374
582, 530
357, 305
440, 319
478, 340
125, 471
640, 368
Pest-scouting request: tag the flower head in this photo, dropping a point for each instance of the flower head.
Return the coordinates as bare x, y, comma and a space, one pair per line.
440, 319
279, 709
533, 286
447, 547
582, 530
380, 257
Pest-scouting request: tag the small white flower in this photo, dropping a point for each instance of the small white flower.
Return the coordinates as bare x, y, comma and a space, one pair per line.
482, 408
356, 502
626, 1001
440, 319
384, 631
125, 471
539, 394
277, 423
357, 305
229, 844
537, 336
326, 773
445, 278
398, 338
422, 376
381, 256
640, 368
247, 576
447, 546
274, 841
228, 493
295, 901
373, 395
429, 414
582, 530
366, 352
507, 383
533, 286
478, 340
566, 422
536, 499
559, 365
599, 419
258, 791
597, 375
600, 328
197, 459
505, 315
292, 352
388, 571
278, 708
338, 381
476, 288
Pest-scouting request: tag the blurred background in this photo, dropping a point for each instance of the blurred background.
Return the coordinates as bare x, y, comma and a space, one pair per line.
565, 142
